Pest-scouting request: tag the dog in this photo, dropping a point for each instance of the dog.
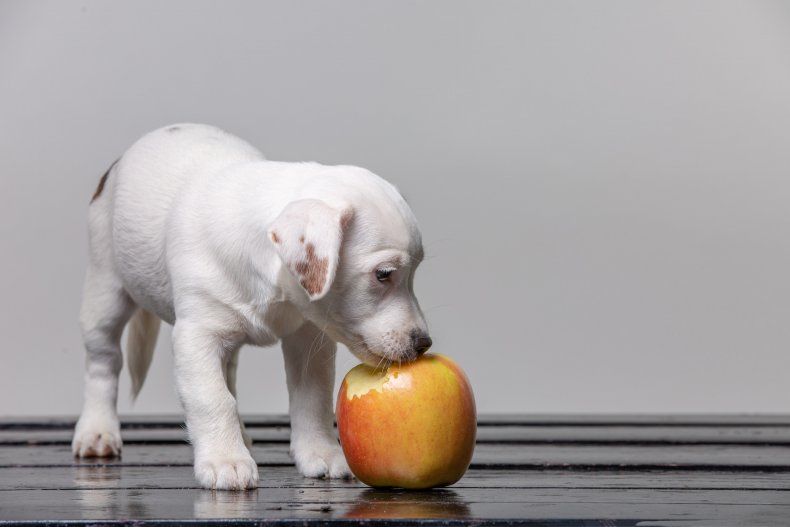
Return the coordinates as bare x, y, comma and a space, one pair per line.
195, 227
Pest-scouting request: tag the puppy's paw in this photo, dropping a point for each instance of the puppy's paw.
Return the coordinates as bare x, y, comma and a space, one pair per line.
237, 472
97, 438
322, 461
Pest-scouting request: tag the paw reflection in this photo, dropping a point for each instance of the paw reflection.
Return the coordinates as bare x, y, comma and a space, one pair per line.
226, 504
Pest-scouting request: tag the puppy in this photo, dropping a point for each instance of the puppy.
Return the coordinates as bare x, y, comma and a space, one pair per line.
195, 227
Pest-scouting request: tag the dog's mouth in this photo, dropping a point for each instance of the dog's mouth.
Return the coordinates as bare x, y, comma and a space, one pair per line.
358, 347
362, 351
377, 360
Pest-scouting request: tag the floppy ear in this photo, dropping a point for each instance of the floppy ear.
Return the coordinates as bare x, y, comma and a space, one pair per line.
307, 235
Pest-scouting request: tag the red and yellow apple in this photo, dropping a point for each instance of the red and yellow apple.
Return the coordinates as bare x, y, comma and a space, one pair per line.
412, 425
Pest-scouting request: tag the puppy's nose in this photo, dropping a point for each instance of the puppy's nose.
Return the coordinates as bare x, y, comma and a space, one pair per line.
421, 343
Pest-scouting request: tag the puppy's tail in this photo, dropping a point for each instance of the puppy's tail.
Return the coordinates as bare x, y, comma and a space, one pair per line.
140, 344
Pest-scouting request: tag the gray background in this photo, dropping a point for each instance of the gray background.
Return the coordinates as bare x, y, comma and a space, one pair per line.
602, 186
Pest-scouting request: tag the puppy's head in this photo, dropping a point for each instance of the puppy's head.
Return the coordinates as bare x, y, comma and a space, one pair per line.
354, 257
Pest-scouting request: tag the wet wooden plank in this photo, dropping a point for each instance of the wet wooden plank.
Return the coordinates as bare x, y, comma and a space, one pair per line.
577, 470
569, 505
141, 477
533, 434
486, 456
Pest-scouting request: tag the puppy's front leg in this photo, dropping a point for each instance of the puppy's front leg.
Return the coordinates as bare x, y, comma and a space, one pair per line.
310, 371
222, 460
230, 379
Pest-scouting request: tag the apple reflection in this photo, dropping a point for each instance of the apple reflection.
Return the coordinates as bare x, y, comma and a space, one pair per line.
408, 504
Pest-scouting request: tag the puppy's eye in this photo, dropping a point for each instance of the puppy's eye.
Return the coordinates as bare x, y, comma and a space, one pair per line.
382, 275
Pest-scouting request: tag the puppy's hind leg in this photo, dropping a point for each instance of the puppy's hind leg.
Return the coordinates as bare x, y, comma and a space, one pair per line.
310, 372
106, 308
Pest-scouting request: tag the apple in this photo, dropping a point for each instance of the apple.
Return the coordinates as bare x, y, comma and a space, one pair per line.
411, 425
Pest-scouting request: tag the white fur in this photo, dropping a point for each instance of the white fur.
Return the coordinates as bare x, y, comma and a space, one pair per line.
195, 227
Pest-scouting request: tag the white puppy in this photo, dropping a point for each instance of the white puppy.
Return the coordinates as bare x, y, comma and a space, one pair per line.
194, 227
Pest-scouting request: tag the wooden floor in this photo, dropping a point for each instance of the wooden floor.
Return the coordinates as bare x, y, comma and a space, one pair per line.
547, 470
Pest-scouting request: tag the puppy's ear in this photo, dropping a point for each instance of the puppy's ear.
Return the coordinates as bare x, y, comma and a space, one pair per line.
307, 235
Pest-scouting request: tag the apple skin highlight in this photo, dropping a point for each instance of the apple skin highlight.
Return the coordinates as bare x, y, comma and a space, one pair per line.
411, 425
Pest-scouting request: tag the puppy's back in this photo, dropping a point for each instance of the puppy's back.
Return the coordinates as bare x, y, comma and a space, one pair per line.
149, 177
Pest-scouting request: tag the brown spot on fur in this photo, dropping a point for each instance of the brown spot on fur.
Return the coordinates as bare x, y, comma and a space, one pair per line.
301, 239
345, 219
275, 239
102, 181
313, 271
